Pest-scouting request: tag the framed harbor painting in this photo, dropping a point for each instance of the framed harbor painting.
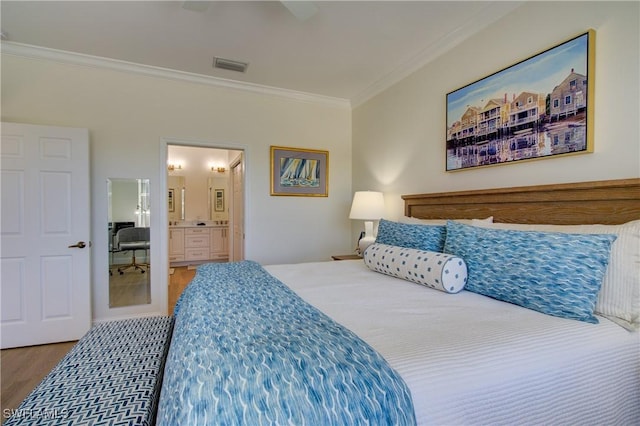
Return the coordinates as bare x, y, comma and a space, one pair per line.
540, 107
299, 172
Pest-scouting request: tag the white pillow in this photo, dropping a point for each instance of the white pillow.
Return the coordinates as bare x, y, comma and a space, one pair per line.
619, 298
440, 271
415, 220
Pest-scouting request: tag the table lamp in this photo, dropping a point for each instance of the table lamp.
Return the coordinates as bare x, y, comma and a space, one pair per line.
367, 206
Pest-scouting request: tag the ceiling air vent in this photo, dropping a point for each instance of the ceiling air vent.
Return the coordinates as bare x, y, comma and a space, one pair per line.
228, 64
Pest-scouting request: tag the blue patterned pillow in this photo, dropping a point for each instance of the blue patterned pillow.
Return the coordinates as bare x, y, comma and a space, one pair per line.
436, 270
553, 273
422, 237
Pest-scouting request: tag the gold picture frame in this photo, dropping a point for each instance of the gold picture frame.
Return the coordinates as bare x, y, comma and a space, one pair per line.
171, 200
218, 200
541, 107
299, 172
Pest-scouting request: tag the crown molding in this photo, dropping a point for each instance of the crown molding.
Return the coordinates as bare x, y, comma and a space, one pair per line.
487, 16
61, 56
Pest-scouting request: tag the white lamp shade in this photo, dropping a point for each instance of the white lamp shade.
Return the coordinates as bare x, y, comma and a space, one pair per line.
367, 205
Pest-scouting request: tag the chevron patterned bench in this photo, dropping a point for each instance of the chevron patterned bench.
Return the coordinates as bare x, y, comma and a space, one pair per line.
113, 375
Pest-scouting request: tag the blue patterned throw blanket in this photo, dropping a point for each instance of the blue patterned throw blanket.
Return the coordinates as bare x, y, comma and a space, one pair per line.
246, 350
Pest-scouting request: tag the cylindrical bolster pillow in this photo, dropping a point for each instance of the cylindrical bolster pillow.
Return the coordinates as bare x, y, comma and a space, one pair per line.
441, 271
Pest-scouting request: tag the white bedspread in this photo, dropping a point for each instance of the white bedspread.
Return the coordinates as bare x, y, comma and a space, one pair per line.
469, 359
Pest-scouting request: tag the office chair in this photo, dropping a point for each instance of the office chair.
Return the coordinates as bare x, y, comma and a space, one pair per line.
114, 227
133, 239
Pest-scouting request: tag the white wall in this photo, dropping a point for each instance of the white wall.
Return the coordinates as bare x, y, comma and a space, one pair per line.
128, 115
124, 199
399, 135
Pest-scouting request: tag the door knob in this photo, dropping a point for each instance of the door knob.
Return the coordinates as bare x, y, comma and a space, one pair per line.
79, 244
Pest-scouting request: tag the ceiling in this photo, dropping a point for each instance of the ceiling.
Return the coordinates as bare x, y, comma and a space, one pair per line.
346, 50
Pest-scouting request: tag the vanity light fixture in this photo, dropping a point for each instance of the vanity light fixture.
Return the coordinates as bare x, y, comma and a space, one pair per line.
172, 167
218, 169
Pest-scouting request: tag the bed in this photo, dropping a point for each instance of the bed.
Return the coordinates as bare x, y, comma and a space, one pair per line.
399, 353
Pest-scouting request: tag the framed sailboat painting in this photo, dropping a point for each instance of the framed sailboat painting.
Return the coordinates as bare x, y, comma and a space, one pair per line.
299, 172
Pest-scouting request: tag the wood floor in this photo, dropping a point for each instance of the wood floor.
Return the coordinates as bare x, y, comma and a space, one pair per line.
129, 288
177, 282
21, 369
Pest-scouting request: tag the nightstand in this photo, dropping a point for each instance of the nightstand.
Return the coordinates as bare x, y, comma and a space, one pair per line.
346, 257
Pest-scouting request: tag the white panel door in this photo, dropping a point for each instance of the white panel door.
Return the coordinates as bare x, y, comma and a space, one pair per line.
45, 230
237, 211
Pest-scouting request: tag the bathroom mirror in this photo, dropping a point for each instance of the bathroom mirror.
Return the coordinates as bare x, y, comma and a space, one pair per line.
129, 225
176, 198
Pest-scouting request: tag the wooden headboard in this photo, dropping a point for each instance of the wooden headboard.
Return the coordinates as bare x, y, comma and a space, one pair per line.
605, 202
